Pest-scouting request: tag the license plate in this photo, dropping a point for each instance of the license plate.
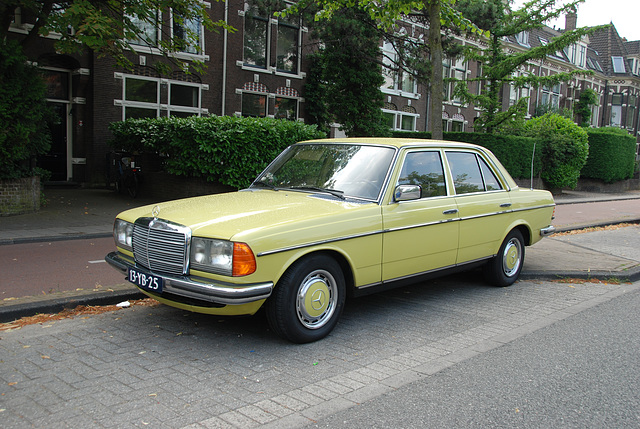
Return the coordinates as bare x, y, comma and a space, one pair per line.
145, 280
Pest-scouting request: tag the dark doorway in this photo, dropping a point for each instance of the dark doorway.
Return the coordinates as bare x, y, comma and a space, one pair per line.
58, 95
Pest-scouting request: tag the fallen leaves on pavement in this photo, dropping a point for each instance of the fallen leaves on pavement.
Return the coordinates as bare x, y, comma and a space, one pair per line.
594, 228
80, 310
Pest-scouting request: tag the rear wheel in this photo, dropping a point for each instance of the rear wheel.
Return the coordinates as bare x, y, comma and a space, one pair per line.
307, 301
504, 268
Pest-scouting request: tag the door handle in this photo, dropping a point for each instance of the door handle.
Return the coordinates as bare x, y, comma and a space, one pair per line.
505, 205
450, 211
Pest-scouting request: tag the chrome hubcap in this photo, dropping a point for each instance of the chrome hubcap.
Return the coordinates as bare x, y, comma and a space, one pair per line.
316, 297
512, 257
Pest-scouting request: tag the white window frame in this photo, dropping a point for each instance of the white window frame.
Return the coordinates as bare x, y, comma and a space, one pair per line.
398, 117
618, 64
162, 85
146, 27
394, 79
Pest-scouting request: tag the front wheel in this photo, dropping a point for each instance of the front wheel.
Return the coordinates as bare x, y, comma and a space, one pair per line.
307, 301
504, 268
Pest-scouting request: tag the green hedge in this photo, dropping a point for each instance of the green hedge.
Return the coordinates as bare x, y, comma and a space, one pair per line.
224, 149
612, 155
514, 152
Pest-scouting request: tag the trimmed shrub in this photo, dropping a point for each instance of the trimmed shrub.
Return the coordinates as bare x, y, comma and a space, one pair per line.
514, 152
612, 154
565, 149
224, 149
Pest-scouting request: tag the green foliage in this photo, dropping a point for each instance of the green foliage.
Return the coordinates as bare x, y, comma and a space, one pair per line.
612, 153
348, 74
226, 149
565, 149
23, 113
588, 98
501, 67
108, 27
514, 152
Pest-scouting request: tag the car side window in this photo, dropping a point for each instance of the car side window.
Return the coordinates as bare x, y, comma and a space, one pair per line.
425, 169
465, 170
490, 180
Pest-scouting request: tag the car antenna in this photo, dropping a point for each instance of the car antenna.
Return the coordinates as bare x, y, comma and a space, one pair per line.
533, 157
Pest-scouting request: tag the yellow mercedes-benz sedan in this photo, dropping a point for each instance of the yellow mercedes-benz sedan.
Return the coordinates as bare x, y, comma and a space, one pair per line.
331, 218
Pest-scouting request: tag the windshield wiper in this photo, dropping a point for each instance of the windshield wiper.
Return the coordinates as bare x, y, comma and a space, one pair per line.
334, 192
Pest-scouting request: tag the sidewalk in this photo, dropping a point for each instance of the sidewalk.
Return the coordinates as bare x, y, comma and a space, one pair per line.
76, 213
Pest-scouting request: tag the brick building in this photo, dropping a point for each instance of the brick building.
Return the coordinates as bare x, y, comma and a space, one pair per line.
259, 70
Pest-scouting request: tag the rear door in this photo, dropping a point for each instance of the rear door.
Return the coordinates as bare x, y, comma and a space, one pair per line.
483, 202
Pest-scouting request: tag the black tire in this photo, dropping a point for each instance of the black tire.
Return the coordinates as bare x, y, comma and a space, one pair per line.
307, 301
504, 269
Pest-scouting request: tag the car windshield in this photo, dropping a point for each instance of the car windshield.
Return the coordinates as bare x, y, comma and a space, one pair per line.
343, 170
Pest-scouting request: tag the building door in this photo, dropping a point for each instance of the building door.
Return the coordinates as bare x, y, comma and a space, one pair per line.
58, 159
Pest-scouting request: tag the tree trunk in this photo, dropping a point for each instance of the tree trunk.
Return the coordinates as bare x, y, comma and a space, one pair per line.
436, 85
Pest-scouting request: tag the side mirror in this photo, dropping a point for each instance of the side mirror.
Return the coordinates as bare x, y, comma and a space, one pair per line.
407, 192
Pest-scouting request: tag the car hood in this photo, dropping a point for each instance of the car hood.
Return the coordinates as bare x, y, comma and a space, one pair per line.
243, 215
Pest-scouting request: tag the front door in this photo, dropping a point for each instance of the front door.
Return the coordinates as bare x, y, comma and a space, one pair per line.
420, 235
58, 159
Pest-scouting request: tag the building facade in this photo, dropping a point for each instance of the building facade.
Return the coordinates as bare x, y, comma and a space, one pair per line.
259, 70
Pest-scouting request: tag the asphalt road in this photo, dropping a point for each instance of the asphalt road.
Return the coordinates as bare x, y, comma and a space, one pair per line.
55, 266
581, 372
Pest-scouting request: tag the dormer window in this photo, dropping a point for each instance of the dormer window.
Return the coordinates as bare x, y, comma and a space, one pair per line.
618, 65
523, 38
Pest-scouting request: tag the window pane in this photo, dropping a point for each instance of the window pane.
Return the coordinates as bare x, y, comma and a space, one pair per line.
286, 108
287, 49
254, 105
148, 35
491, 181
424, 169
183, 95
138, 113
141, 90
186, 35
407, 123
255, 41
465, 171
57, 84
389, 120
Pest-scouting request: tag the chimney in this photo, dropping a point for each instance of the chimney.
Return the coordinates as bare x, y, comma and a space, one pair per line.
571, 20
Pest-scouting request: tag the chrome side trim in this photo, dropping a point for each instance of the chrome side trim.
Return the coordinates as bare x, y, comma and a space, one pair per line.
421, 225
317, 243
217, 292
533, 208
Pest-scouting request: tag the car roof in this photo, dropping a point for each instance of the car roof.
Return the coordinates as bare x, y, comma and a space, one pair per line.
395, 142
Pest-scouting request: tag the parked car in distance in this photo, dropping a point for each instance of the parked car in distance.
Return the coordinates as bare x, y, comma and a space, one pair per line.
331, 218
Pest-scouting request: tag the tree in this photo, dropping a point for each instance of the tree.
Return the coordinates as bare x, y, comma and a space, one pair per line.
386, 14
347, 75
500, 67
109, 27
588, 98
23, 113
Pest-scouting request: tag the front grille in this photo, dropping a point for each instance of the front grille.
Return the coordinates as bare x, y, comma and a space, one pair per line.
161, 246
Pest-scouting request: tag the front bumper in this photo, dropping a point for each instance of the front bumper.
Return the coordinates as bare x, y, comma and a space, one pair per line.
221, 293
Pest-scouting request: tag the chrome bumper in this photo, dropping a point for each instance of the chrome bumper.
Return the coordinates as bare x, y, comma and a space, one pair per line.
547, 231
217, 292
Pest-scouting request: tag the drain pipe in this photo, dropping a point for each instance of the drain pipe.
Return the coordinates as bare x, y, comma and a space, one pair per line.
224, 59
